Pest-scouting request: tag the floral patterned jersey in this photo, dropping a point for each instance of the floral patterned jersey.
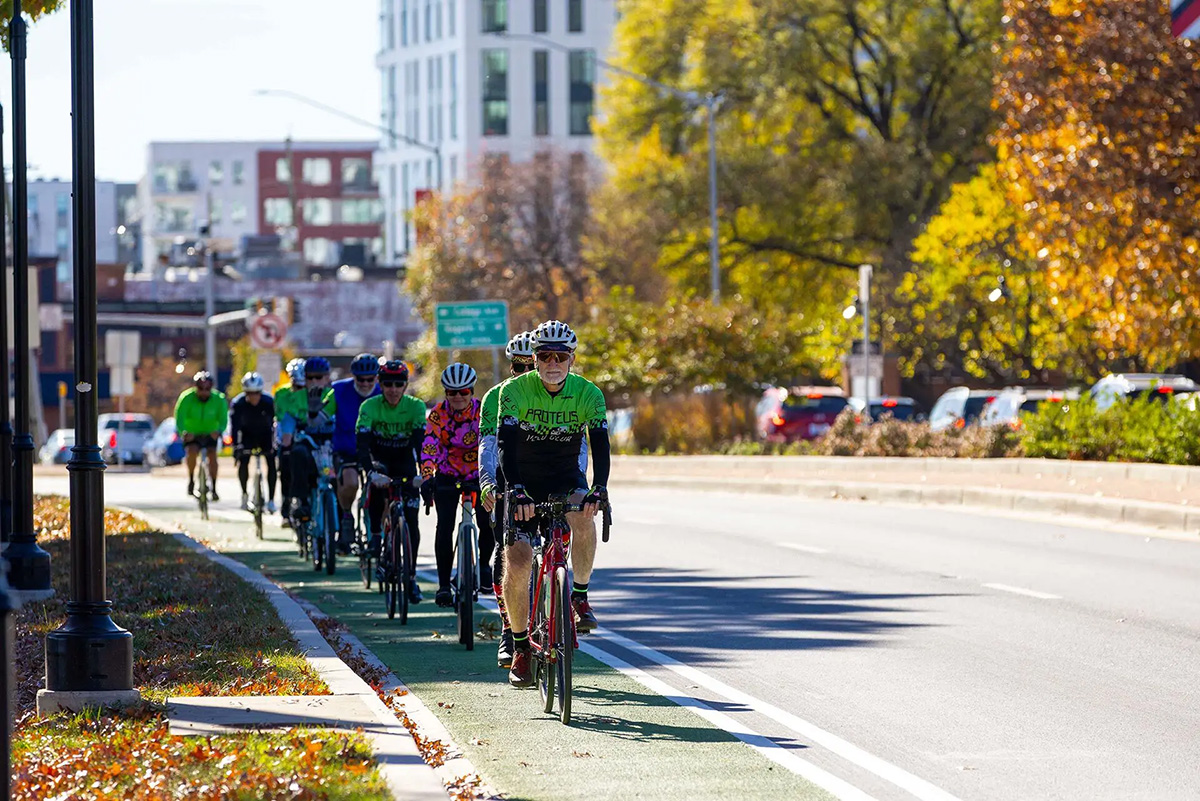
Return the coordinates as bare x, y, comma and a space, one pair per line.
451, 445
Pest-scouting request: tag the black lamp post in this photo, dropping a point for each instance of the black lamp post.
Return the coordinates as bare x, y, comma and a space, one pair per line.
30, 565
89, 659
6, 429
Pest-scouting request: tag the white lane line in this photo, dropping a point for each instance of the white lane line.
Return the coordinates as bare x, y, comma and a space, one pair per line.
901, 778
806, 548
1045, 596
763, 745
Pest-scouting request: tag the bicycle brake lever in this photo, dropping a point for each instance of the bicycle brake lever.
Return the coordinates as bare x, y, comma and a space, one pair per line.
607, 522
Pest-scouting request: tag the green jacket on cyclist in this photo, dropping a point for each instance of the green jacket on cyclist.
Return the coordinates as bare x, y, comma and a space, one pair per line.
197, 417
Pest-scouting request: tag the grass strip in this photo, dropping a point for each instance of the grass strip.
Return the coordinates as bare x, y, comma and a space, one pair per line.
198, 630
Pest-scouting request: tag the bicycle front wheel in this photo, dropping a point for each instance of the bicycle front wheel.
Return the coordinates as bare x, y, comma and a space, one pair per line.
564, 646
329, 524
258, 504
543, 652
202, 498
404, 575
466, 588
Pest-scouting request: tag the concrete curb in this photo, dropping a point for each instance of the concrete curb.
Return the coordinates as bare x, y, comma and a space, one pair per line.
407, 774
781, 466
1173, 517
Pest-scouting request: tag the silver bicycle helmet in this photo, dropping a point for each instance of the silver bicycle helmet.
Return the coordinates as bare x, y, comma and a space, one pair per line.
520, 346
458, 376
252, 382
295, 371
555, 335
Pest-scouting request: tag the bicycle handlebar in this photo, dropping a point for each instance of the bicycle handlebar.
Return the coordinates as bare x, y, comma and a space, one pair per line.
554, 507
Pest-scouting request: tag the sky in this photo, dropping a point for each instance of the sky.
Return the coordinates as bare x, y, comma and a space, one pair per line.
185, 70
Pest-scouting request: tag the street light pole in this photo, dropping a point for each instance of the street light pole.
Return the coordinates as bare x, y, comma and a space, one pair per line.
89, 659
30, 564
864, 295
711, 101
6, 429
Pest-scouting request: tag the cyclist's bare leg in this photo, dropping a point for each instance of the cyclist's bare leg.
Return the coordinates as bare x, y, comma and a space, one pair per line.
348, 488
212, 465
583, 545
190, 456
518, 563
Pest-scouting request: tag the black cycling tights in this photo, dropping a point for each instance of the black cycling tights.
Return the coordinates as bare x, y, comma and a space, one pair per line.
377, 502
446, 498
244, 471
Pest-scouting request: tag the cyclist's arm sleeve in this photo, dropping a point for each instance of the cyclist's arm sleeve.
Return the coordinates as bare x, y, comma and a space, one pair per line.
601, 458
364, 438
583, 455
180, 417
508, 436
488, 459
433, 450
235, 424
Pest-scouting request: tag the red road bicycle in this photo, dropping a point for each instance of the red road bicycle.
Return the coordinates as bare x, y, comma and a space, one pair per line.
552, 635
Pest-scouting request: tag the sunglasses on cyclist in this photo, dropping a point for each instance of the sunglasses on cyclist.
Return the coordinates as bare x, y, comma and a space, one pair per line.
393, 384
458, 392
365, 380
522, 367
554, 356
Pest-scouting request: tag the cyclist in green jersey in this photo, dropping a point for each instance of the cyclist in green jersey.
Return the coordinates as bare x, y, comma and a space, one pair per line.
543, 418
200, 416
288, 401
390, 429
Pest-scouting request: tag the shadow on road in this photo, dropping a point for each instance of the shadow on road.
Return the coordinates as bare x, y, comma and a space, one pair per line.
697, 615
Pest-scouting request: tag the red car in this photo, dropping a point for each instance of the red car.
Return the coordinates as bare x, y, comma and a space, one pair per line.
800, 413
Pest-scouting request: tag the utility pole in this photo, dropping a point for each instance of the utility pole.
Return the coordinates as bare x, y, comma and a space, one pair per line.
89, 659
6, 429
210, 332
864, 295
30, 565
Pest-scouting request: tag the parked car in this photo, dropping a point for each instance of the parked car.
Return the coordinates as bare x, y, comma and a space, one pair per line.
898, 407
799, 413
164, 448
959, 407
124, 435
1120, 386
1011, 403
57, 449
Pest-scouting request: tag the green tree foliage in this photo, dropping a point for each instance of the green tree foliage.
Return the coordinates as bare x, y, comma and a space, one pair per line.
32, 9
842, 126
958, 314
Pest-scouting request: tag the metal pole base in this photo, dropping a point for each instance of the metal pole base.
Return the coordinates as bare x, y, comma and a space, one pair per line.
89, 653
29, 566
51, 702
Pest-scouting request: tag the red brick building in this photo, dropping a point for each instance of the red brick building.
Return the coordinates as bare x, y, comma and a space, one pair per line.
327, 199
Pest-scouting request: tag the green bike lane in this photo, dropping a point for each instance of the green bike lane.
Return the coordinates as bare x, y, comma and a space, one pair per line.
624, 741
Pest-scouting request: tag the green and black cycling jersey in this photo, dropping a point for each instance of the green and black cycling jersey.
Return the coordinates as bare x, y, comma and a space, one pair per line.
390, 435
541, 432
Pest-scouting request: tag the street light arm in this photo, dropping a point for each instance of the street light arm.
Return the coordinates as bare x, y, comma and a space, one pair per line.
308, 101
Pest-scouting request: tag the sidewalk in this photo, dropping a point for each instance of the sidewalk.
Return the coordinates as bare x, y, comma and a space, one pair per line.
1159, 496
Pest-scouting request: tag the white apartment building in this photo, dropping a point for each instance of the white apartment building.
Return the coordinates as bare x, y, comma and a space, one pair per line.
474, 78
180, 177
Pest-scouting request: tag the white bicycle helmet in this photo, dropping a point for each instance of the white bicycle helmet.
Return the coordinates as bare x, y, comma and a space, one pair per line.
555, 335
458, 376
252, 382
295, 371
520, 346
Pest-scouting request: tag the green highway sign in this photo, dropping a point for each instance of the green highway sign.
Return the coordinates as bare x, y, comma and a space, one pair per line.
477, 324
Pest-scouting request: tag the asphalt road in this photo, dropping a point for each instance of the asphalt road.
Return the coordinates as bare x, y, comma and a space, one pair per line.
912, 652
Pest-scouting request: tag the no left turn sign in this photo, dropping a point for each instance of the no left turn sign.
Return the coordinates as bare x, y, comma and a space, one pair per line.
268, 331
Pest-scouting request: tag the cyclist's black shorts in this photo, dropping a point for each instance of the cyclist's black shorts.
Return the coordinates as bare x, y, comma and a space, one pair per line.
202, 441
341, 461
264, 444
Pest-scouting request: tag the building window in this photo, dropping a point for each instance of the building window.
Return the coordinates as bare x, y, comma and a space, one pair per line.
319, 251
454, 96
453, 170
583, 77
441, 126
495, 16
62, 209
61, 239
541, 16
216, 172
428, 21
283, 170
430, 99
362, 211
495, 92
386, 25
575, 16
317, 211
541, 93
403, 215
215, 211
237, 212
452, 13
440, 13
277, 211
239, 173
356, 174
404, 23
317, 172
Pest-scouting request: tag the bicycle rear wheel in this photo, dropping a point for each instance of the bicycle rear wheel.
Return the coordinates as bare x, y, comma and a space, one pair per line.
258, 504
465, 597
364, 552
329, 524
316, 536
404, 574
564, 645
543, 655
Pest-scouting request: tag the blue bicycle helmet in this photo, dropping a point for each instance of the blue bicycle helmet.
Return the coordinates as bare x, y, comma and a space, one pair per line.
318, 365
365, 364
